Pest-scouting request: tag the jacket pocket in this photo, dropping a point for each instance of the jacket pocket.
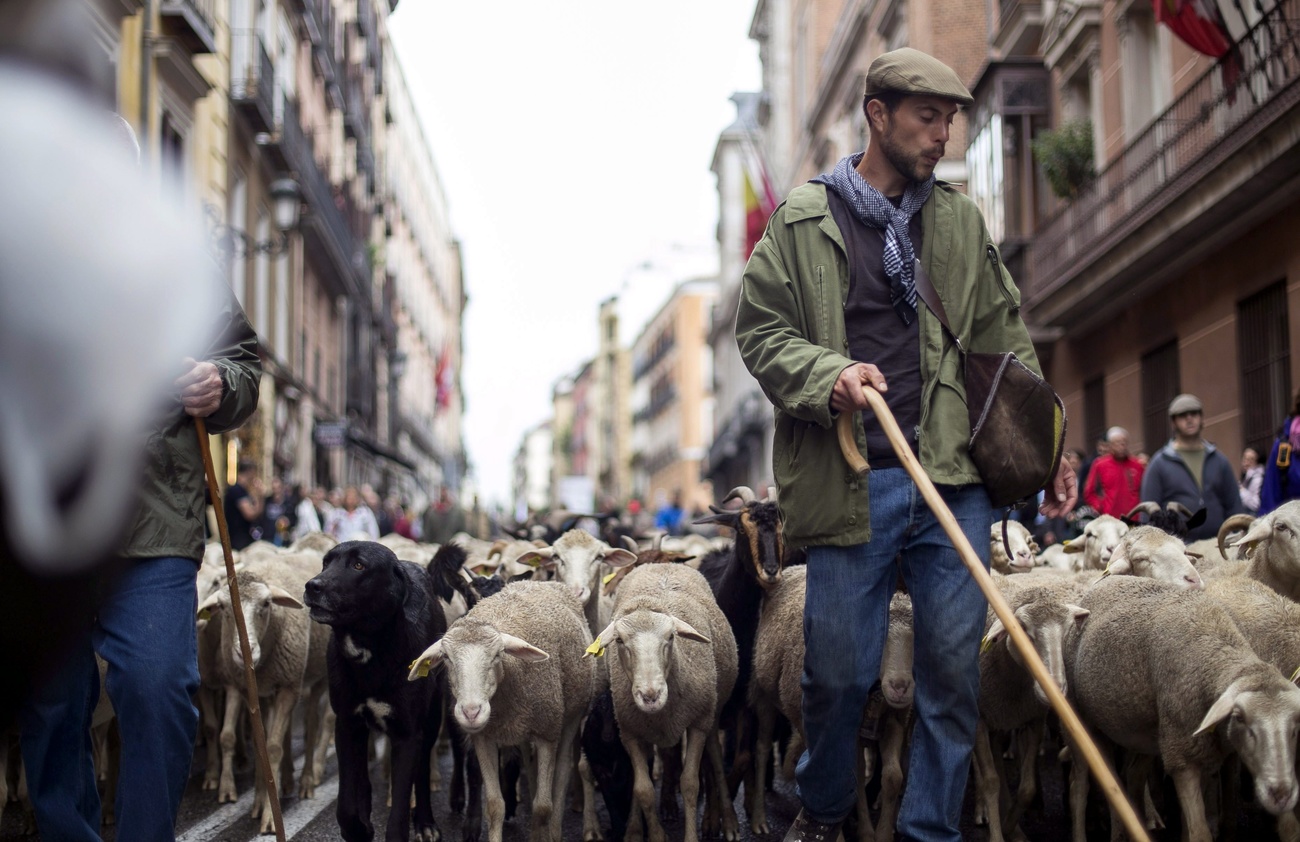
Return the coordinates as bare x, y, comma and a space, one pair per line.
1008, 286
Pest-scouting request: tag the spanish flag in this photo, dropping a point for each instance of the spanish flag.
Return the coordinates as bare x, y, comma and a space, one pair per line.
758, 207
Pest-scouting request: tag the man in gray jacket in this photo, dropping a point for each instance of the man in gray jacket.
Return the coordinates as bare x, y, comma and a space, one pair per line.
1191, 471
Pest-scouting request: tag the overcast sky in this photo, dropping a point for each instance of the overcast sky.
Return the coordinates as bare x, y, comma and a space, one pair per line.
573, 139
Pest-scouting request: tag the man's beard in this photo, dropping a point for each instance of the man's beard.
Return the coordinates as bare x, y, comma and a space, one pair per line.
909, 166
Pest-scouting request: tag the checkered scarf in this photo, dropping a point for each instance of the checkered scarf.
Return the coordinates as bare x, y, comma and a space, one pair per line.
878, 212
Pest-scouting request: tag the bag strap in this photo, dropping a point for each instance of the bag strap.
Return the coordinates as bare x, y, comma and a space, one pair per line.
925, 288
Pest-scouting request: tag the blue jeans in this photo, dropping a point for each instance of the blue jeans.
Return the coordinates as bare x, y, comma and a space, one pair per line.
846, 616
145, 631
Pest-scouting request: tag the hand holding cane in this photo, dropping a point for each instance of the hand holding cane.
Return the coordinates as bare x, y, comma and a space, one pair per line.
848, 446
250, 679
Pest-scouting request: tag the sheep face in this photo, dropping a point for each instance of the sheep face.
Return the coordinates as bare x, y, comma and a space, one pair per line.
1019, 555
474, 654
1045, 621
1262, 724
1154, 554
645, 642
1100, 538
575, 559
896, 680
258, 600
1276, 535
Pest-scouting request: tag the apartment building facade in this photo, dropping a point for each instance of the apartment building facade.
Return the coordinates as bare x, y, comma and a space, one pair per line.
672, 398
1173, 269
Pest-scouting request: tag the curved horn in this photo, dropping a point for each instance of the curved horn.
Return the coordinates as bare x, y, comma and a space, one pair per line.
1231, 525
1179, 509
627, 542
1148, 507
743, 493
497, 548
771, 495
658, 542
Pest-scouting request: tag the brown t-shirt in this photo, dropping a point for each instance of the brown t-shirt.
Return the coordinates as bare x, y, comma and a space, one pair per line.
875, 333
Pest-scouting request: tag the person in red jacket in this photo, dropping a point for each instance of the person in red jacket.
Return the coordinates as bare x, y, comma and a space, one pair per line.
1114, 483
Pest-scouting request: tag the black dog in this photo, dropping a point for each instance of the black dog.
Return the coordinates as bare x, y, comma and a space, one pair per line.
384, 613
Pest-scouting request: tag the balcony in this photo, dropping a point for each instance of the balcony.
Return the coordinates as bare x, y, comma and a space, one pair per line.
325, 227
369, 28
1214, 164
1020, 28
252, 81
191, 22
318, 16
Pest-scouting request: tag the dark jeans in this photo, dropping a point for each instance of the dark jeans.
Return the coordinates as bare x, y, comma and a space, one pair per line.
145, 631
846, 616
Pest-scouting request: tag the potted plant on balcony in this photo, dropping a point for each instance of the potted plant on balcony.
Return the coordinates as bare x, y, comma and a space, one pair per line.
1066, 157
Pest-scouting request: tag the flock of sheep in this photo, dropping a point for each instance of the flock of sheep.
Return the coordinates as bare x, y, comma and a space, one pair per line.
611, 662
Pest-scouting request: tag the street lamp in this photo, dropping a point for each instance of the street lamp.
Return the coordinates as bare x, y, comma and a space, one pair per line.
286, 200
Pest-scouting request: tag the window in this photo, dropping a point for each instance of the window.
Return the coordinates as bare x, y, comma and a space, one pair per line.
1094, 412
262, 279
280, 338
1160, 383
238, 216
1264, 349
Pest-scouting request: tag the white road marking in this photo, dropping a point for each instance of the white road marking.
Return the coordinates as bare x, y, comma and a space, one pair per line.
301, 814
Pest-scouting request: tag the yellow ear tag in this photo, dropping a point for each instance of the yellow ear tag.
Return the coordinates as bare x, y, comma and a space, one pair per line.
595, 648
422, 671
205, 614
1294, 675
609, 578
986, 644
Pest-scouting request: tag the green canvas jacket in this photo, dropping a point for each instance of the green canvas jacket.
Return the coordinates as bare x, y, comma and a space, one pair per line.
170, 518
791, 334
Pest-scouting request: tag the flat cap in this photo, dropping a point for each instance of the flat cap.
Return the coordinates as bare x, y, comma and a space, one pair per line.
910, 71
1184, 403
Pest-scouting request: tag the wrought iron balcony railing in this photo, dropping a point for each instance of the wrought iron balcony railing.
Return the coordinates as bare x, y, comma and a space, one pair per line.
193, 21
1194, 134
252, 80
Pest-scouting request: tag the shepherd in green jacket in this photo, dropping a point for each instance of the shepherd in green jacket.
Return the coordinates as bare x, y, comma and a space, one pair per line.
829, 304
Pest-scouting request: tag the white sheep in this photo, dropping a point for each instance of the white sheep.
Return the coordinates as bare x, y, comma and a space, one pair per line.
517, 673
1098, 541
1164, 671
1271, 625
1010, 699
776, 688
575, 559
1017, 555
1151, 553
1272, 546
288, 657
674, 665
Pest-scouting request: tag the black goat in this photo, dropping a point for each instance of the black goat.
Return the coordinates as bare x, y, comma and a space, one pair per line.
1174, 518
738, 578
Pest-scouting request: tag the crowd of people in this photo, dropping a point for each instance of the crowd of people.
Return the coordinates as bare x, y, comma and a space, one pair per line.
285, 512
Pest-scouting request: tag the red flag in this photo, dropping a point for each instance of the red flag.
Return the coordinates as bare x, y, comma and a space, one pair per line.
757, 210
442, 380
1200, 24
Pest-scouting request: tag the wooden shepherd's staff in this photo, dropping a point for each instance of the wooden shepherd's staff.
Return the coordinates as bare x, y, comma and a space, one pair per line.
250, 679
1084, 743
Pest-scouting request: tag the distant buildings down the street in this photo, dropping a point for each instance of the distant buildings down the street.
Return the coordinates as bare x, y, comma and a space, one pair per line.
359, 307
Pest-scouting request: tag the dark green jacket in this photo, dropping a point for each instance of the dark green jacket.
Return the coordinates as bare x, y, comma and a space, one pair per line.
790, 329
171, 517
